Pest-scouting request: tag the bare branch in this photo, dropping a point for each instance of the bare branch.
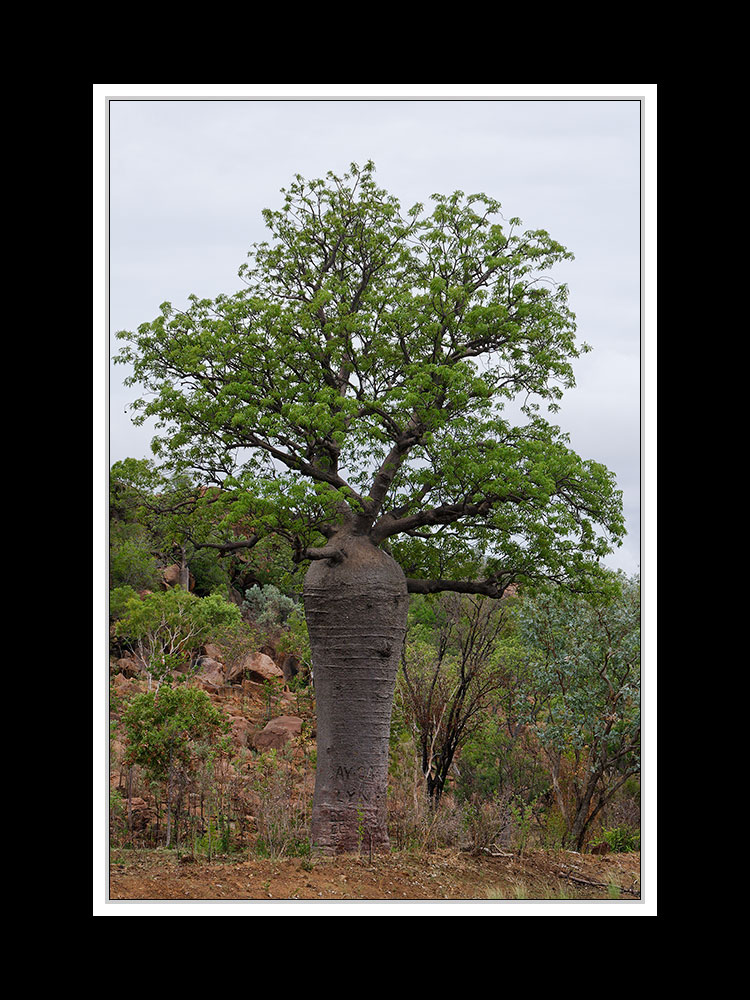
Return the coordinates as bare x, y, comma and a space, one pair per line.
489, 588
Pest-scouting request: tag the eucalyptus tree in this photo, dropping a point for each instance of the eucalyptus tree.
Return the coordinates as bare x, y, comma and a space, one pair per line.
583, 691
351, 396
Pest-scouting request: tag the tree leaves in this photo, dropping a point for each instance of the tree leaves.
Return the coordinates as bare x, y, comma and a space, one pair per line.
363, 369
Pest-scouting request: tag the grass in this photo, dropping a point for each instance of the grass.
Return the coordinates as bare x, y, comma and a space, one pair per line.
520, 890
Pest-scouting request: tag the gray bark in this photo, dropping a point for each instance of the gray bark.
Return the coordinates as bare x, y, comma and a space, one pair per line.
184, 570
356, 609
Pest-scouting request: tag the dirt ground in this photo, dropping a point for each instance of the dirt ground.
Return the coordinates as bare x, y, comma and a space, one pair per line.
446, 875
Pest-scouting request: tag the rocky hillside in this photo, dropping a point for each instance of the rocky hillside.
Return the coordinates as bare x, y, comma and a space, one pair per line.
253, 694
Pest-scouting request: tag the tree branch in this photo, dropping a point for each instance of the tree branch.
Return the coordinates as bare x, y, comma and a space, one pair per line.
488, 588
330, 552
445, 514
248, 543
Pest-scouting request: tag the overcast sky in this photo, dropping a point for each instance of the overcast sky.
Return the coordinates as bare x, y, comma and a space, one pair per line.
188, 179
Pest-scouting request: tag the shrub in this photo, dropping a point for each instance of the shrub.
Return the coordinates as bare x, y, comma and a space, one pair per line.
295, 639
166, 629
163, 728
623, 839
209, 574
283, 815
118, 601
487, 821
130, 561
117, 819
267, 606
217, 839
172, 734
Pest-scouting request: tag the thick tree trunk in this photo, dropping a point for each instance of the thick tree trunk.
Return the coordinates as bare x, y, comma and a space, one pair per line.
356, 610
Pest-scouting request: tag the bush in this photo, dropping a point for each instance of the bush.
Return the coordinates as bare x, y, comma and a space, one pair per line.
117, 818
209, 574
295, 638
216, 840
130, 561
118, 601
166, 629
267, 606
487, 822
162, 729
623, 839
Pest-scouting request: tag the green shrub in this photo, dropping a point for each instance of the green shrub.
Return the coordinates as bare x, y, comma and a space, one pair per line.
131, 563
117, 816
623, 839
162, 730
554, 830
216, 840
167, 628
118, 601
267, 606
209, 574
295, 639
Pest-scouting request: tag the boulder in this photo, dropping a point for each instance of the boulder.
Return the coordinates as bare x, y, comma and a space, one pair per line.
213, 651
171, 575
205, 684
260, 667
255, 667
241, 730
120, 682
278, 732
127, 666
130, 685
289, 664
210, 670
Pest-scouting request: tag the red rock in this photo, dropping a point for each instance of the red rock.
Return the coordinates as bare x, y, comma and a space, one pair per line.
278, 732
256, 667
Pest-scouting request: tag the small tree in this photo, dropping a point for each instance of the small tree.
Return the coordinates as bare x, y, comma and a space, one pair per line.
165, 630
448, 672
167, 732
583, 696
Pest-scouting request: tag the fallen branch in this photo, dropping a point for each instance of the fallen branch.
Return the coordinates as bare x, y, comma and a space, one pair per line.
497, 853
597, 885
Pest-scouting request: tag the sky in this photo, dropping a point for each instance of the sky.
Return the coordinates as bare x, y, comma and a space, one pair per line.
187, 179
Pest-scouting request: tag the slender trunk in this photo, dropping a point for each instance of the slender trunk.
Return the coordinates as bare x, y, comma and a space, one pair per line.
130, 800
356, 612
210, 815
582, 818
558, 792
184, 571
169, 800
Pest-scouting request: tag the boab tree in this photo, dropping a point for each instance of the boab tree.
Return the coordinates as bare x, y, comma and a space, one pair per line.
351, 396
